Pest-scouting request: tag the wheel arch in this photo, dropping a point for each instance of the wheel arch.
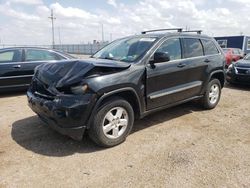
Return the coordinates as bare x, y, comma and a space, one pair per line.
129, 94
220, 75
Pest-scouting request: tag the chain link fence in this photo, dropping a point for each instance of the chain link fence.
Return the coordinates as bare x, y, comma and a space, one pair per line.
86, 49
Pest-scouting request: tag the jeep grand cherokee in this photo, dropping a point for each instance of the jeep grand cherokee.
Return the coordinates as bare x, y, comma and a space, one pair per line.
129, 78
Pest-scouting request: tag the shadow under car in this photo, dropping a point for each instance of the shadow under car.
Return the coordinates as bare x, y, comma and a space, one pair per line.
33, 134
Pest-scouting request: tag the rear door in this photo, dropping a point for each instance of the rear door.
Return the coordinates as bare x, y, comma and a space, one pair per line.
197, 62
10, 68
213, 56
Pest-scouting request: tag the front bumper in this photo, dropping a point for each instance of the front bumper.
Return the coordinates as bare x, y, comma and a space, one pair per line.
67, 114
232, 77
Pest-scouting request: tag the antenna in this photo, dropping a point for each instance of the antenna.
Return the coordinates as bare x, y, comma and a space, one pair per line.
52, 17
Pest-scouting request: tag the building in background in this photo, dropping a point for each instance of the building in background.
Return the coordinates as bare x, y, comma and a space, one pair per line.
241, 42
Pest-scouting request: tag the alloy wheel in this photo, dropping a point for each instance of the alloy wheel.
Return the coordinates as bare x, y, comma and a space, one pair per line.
214, 93
115, 122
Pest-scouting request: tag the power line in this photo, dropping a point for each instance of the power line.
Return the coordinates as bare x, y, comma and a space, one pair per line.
52, 17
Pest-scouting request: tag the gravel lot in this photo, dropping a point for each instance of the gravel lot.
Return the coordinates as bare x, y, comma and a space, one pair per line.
179, 147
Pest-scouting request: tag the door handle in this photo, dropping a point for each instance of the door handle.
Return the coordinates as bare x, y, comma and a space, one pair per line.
16, 66
206, 60
181, 65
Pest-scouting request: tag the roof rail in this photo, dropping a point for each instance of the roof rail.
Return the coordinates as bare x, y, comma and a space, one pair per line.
193, 31
173, 29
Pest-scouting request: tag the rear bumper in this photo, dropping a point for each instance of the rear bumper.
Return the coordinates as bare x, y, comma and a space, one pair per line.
66, 114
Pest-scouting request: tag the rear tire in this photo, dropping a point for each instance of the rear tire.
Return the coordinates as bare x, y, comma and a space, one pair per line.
112, 123
212, 94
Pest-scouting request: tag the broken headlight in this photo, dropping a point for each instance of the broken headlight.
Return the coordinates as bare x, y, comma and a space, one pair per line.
79, 90
230, 68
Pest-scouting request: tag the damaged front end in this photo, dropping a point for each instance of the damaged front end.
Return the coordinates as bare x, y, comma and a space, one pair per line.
60, 94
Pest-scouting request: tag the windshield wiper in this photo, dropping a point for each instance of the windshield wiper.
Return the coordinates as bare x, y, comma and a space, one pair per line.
109, 58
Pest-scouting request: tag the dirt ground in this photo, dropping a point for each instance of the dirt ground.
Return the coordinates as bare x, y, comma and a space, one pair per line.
179, 147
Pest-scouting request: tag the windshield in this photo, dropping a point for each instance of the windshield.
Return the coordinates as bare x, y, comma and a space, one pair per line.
225, 50
247, 57
127, 50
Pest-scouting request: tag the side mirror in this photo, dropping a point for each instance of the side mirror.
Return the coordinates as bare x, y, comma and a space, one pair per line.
160, 57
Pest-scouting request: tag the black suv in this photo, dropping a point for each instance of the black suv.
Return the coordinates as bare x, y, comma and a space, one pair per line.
129, 78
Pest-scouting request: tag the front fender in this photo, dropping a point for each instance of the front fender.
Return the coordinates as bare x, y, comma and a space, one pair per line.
116, 92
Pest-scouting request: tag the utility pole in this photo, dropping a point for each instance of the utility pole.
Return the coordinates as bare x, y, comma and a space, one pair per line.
187, 28
52, 17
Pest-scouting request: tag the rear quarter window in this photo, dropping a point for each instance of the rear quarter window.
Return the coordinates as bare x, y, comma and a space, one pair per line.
40, 55
209, 47
192, 47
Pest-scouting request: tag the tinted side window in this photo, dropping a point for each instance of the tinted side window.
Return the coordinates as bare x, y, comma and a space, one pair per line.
40, 55
192, 47
10, 56
172, 47
209, 47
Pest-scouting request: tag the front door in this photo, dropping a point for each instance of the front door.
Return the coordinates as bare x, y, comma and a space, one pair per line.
10, 68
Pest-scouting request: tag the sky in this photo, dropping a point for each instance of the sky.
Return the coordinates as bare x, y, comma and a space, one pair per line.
26, 22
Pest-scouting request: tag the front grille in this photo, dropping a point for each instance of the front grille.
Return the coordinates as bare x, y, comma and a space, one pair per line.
243, 70
41, 90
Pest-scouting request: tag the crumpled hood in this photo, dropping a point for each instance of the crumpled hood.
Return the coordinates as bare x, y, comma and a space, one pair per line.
243, 63
66, 73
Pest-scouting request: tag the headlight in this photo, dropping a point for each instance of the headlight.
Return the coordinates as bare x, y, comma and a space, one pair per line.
230, 68
79, 90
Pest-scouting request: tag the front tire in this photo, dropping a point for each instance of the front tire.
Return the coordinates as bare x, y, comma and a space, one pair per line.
212, 94
112, 123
